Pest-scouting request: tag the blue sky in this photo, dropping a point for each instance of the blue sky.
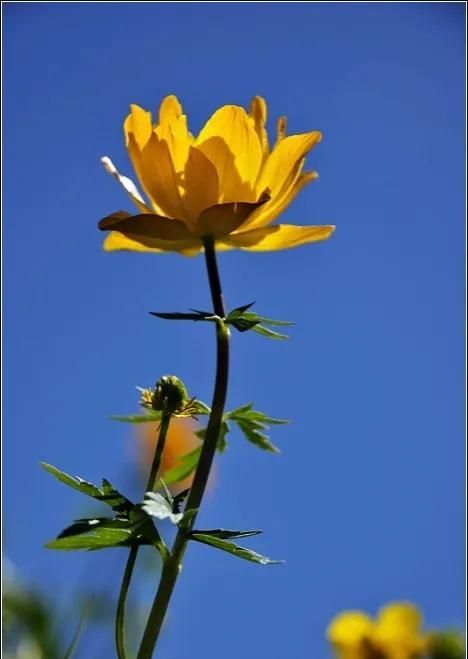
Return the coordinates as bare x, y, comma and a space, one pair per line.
366, 500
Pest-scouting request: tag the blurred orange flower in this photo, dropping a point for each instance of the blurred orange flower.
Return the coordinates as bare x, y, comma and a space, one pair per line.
180, 440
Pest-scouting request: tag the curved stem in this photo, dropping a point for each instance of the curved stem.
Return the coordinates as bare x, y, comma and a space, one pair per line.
132, 556
173, 566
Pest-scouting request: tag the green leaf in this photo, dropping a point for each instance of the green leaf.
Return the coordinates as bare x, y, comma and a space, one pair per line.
222, 444
235, 313
259, 439
72, 481
187, 465
252, 423
225, 534
202, 408
94, 534
270, 334
447, 644
246, 413
267, 321
150, 416
244, 320
107, 493
196, 316
157, 506
231, 548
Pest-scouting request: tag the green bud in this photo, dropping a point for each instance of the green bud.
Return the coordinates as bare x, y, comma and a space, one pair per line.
446, 645
170, 395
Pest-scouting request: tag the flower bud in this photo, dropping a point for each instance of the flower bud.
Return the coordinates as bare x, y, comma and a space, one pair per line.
169, 395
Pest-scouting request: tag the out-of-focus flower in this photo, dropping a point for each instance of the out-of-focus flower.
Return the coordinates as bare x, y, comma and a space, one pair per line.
180, 440
395, 634
226, 183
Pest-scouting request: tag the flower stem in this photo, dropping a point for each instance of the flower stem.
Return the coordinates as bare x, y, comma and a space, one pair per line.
173, 565
132, 556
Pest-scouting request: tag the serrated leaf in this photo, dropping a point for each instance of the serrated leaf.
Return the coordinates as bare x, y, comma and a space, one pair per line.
231, 548
246, 413
256, 437
102, 534
149, 417
157, 506
187, 465
226, 534
72, 481
239, 411
106, 494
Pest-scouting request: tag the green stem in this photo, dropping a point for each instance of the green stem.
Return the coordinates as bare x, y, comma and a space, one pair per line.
173, 565
132, 556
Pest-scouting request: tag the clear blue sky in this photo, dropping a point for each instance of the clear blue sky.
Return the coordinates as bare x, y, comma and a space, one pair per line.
366, 501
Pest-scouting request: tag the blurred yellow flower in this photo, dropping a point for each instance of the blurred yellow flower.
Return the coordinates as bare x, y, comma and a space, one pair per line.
226, 183
394, 634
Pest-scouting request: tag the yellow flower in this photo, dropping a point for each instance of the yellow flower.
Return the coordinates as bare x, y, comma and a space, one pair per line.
395, 634
225, 184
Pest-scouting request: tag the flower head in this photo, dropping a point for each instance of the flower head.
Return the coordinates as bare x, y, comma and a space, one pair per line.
226, 184
394, 634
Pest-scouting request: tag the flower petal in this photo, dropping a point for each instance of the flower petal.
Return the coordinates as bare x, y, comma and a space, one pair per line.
116, 241
201, 184
231, 143
160, 178
222, 219
349, 629
270, 211
400, 618
284, 158
147, 225
173, 128
281, 126
139, 124
258, 113
138, 130
127, 184
280, 236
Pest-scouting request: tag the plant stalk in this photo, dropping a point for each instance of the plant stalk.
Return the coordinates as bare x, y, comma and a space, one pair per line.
132, 556
173, 565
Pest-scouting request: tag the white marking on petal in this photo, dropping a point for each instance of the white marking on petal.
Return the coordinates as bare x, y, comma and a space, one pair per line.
127, 184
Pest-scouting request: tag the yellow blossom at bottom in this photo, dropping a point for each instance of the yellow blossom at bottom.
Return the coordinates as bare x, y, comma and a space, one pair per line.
394, 634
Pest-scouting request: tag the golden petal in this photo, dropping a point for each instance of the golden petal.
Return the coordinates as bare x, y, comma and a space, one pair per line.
280, 236
277, 205
200, 184
116, 241
258, 113
283, 160
231, 143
